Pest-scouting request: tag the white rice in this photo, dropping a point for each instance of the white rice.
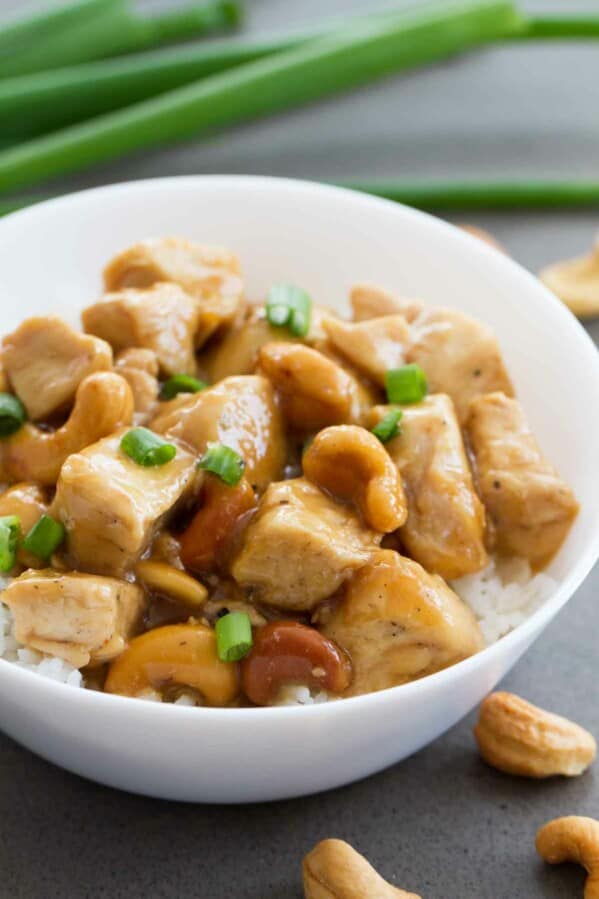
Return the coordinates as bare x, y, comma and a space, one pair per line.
504, 595
501, 596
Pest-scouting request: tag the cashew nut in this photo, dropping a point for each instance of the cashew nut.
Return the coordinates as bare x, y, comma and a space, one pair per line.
576, 282
573, 839
206, 538
178, 655
163, 579
139, 367
287, 652
352, 464
483, 235
313, 390
519, 738
103, 403
334, 870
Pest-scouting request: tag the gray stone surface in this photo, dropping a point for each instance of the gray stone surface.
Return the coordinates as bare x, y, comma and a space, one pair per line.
441, 823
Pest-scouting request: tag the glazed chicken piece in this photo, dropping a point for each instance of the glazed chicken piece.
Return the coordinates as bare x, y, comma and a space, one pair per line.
209, 274
139, 368
313, 390
239, 412
301, 546
446, 520
163, 319
369, 301
28, 502
81, 618
372, 346
45, 360
459, 355
529, 507
237, 353
111, 507
399, 623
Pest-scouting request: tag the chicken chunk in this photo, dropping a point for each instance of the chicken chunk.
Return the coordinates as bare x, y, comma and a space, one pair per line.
237, 353
399, 623
28, 502
314, 391
301, 546
111, 507
373, 346
369, 301
163, 319
529, 506
139, 367
446, 520
45, 360
81, 618
239, 412
459, 355
210, 274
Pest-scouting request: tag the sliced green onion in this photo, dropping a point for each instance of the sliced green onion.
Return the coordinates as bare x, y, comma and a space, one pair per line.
10, 529
45, 537
223, 461
181, 384
406, 385
388, 427
291, 307
233, 636
147, 448
12, 414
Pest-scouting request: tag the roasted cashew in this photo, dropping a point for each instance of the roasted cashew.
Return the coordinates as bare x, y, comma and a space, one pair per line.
287, 652
313, 390
334, 870
165, 580
576, 282
103, 403
176, 655
483, 235
519, 738
573, 839
352, 464
212, 528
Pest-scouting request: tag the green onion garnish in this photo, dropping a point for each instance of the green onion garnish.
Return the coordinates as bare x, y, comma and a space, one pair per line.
388, 427
181, 384
10, 529
406, 385
223, 461
45, 537
147, 448
289, 307
12, 414
233, 636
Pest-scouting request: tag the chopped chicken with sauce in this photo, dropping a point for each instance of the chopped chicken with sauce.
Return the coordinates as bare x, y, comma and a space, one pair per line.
530, 508
445, 528
198, 485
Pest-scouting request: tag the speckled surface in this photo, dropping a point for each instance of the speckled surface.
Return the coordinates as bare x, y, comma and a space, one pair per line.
441, 824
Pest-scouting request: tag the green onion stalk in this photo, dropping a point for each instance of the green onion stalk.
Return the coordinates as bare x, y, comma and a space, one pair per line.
107, 28
356, 54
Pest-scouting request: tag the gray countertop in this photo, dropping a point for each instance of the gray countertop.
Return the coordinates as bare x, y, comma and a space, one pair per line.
441, 823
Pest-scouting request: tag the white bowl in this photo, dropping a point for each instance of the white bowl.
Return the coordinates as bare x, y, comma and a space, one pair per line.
323, 238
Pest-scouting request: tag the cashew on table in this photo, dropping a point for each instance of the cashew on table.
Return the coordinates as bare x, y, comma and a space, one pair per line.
333, 870
573, 839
